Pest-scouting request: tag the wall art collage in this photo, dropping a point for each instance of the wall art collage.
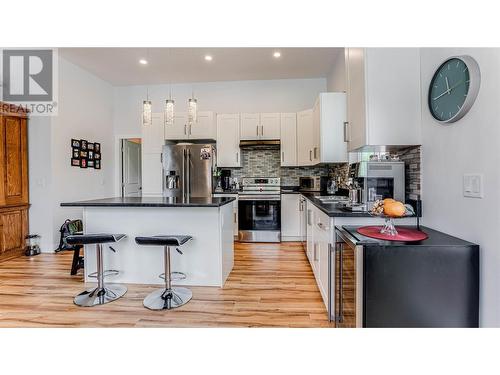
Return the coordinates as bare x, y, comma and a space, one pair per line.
85, 154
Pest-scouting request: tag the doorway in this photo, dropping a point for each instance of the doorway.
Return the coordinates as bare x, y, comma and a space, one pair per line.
131, 167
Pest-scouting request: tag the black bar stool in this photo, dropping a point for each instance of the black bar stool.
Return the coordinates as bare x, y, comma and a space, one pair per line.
169, 297
103, 293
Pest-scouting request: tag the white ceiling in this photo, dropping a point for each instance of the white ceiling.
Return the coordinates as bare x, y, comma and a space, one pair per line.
120, 66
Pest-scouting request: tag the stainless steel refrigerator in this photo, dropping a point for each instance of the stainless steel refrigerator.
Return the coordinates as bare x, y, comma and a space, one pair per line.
187, 170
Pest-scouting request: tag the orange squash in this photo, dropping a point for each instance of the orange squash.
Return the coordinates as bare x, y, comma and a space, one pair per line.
388, 200
394, 209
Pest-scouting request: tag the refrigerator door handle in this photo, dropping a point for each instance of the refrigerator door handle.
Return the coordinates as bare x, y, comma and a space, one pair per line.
188, 185
183, 173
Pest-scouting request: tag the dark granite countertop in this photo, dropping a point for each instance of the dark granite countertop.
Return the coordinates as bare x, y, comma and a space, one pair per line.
151, 202
332, 209
435, 238
232, 191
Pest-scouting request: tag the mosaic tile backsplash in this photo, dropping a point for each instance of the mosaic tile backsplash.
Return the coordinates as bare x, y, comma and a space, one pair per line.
265, 162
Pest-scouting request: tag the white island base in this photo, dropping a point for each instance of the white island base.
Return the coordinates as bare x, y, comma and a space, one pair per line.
207, 259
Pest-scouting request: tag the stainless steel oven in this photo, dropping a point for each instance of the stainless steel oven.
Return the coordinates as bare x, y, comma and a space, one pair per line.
259, 210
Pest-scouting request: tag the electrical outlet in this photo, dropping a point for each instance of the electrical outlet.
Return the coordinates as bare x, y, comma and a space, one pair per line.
473, 185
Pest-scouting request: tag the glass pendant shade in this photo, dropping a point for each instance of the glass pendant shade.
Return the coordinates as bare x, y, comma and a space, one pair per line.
169, 112
192, 110
146, 112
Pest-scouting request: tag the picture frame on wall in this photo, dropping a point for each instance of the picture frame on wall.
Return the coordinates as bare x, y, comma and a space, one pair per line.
83, 163
90, 163
90, 146
75, 162
83, 144
83, 154
75, 143
76, 153
97, 147
90, 154
97, 164
97, 156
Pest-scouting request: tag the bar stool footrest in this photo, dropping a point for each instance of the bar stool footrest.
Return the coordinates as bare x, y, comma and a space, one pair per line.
105, 273
174, 276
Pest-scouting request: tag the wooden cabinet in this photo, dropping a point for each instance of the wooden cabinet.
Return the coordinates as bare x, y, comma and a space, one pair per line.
383, 97
13, 230
153, 140
260, 126
292, 209
228, 140
288, 142
305, 137
14, 199
329, 117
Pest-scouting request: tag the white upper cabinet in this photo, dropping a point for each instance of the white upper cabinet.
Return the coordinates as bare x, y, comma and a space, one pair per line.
270, 125
250, 126
329, 116
179, 129
288, 143
383, 97
153, 137
260, 126
228, 140
204, 128
305, 137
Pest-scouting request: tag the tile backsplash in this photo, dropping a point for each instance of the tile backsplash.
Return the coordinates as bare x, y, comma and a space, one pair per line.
264, 161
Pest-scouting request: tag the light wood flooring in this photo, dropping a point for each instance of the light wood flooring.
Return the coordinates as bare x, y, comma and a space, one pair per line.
271, 285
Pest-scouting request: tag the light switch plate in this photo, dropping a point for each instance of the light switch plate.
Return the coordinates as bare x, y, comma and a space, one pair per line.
473, 185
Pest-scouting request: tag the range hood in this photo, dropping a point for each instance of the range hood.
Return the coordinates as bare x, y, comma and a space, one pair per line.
260, 142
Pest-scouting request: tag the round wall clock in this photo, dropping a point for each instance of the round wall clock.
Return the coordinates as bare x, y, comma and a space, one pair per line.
454, 88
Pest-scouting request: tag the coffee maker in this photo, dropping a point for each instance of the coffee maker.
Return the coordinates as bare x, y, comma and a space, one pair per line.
379, 180
225, 177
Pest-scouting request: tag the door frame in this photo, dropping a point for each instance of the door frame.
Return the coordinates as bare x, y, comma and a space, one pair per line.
118, 160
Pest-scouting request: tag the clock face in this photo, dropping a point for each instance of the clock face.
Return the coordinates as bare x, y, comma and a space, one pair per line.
449, 90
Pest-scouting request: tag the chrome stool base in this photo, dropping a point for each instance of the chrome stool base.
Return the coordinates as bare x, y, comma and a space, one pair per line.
167, 299
100, 296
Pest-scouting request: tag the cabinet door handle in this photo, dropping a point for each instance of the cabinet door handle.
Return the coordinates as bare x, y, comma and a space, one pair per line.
310, 155
282, 156
257, 128
308, 217
346, 125
315, 152
262, 130
234, 214
237, 157
315, 252
190, 128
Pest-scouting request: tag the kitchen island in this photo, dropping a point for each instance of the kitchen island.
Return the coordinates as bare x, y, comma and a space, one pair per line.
207, 259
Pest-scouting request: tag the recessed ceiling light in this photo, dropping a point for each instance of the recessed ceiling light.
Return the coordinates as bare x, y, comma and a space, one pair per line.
277, 54
208, 58
143, 62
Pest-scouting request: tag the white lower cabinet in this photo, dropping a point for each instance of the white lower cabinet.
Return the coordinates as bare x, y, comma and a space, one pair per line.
235, 209
320, 232
292, 209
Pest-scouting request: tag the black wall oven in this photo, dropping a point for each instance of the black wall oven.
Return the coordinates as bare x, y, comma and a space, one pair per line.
259, 218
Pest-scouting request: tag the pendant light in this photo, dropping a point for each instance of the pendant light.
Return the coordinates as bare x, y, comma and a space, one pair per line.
169, 108
192, 110
147, 110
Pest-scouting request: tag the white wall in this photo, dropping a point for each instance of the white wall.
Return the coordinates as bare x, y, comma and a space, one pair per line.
288, 95
335, 80
85, 112
468, 146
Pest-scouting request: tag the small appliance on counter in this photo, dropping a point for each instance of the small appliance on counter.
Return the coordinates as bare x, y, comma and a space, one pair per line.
313, 183
378, 180
225, 176
32, 242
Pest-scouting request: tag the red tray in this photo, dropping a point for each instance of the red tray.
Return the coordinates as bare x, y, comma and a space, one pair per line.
404, 234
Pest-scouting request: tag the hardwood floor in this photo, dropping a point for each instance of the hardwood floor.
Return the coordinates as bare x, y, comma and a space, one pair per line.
271, 285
